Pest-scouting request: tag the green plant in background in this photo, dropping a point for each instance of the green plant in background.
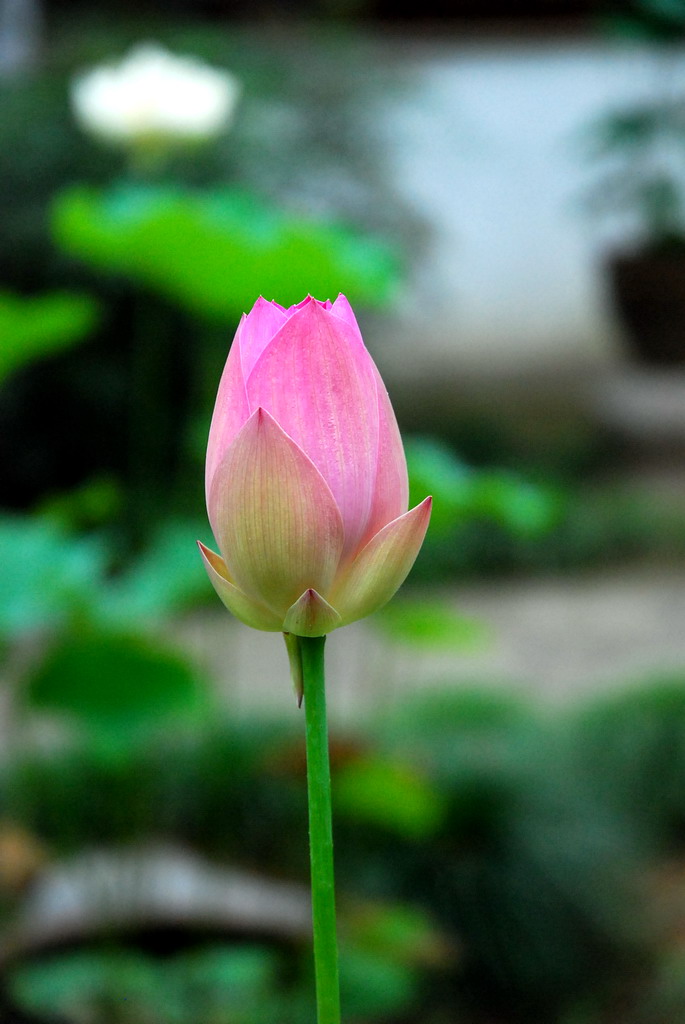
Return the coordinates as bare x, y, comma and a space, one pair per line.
116, 686
481, 514
70, 571
490, 521
522, 868
76, 584
212, 251
512, 849
216, 985
37, 327
662, 21
632, 745
640, 141
227, 983
463, 493
431, 624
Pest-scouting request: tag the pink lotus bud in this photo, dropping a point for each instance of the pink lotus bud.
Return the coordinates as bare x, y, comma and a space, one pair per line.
306, 476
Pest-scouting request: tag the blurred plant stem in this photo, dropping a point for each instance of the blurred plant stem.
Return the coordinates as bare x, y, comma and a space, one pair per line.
150, 410
320, 831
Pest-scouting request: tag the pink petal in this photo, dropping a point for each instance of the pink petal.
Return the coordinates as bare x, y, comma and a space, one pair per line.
230, 412
277, 523
311, 615
343, 309
243, 607
325, 303
257, 330
318, 381
382, 566
391, 490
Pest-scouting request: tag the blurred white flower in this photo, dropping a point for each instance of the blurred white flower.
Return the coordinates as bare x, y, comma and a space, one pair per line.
153, 97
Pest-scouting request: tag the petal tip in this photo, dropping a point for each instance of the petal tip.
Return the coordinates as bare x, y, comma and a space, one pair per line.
249, 611
311, 615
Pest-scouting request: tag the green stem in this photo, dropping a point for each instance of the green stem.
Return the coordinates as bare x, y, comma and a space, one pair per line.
320, 832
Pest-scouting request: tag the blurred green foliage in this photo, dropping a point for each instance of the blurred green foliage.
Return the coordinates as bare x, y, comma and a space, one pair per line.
390, 794
632, 744
31, 328
115, 685
214, 252
431, 624
56, 578
507, 848
48, 576
216, 984
219, 984
632, 141
659, 21
462, 493
488, 522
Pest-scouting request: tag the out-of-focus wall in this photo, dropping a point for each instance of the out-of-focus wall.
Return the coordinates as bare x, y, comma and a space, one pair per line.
486, 144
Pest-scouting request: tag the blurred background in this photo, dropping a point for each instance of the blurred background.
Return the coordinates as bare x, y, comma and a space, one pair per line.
498, 188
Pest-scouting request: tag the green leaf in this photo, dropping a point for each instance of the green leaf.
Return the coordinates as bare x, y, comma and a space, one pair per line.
395, 931
435, 469
215, 252
94, 503
235, 978
462, 494
525, 509
72, 982
115, 685
433, 624
32, 328
374, 987
459, 733
166, 577
667, 10
388, 794
47, 576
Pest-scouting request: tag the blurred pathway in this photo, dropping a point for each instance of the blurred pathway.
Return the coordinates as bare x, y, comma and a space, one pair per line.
555, 639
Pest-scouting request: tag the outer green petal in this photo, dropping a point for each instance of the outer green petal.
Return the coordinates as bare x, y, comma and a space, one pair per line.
278, 526
381, 567
243, 607
311, 615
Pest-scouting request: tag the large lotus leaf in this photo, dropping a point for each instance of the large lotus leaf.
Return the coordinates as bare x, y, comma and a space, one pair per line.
215, 252
114, 684
40, 325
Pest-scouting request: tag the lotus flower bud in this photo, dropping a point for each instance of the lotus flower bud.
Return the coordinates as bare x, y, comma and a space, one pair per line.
154, 98
306, 477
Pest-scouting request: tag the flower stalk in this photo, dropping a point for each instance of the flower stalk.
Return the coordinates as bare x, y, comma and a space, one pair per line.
320, 831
